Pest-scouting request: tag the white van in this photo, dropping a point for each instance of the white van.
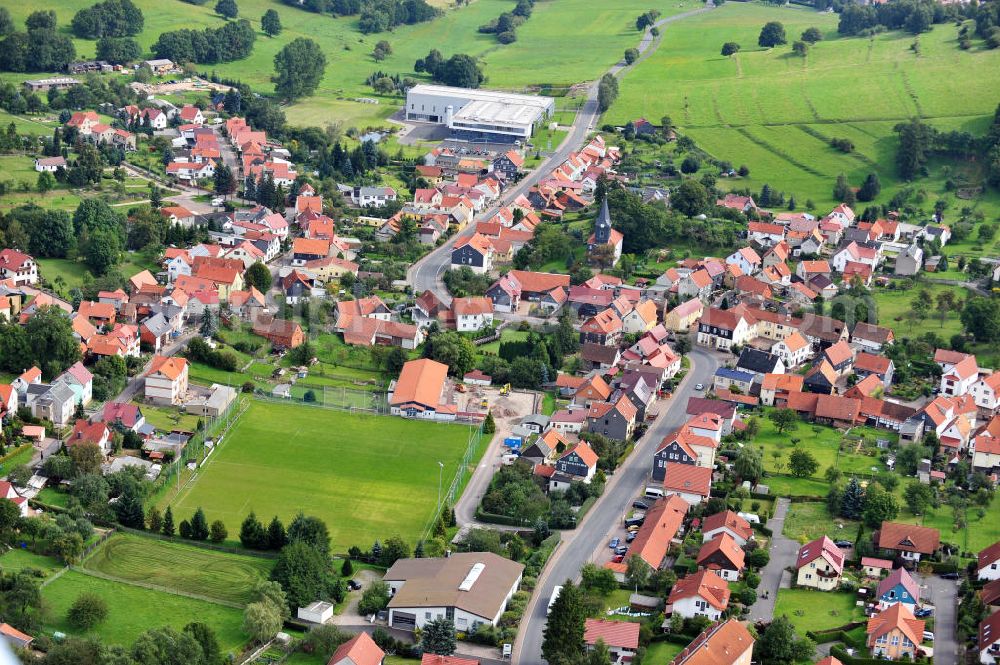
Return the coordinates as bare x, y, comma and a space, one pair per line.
654, 492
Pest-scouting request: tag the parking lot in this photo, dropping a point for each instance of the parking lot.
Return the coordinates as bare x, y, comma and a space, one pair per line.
623, 533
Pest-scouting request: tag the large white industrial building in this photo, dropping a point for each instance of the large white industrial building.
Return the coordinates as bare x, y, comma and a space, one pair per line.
478, 114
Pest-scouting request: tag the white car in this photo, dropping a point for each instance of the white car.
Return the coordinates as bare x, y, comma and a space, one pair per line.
218, 201
928, 636
699, 386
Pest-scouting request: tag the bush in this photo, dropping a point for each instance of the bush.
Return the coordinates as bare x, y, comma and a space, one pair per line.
374, 598
87, 611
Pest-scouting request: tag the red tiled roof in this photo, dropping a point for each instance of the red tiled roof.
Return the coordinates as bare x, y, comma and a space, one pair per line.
359, 650
729, 520
687, 478
908, 537
705, 585
620, 634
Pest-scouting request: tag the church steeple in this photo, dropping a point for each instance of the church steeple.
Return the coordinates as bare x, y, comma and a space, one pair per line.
602, 226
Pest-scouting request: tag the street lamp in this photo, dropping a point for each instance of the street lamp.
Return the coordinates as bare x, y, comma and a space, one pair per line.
440, 477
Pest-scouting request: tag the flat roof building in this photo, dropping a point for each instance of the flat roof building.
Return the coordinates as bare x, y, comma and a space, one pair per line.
57, 82
478, 114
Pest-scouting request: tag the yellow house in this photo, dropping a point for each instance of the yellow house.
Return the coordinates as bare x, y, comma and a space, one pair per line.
820, 565
685, 315
330, 268
895, 633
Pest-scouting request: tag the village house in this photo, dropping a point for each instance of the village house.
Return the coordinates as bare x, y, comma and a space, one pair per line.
988, 563
895, 633
989, 639
722, 555
685, 315
359, 650
614, 420
472, 588
725, 643
167, 380
475, 252
420, 391
820, 565
577, 463
18, 267
699, 594
726, 523
691, 483
898, 587
908, 541
620, 637
473, 313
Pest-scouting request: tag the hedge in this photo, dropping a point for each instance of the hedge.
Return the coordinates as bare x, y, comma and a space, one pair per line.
501, 519
939, 567
15, 452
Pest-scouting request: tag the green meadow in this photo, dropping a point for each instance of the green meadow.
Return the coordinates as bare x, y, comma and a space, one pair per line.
775, 112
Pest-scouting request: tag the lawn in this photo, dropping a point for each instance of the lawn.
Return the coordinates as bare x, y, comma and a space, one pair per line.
662, 652
21, 559
168, 418
348, 469
806, 521
776, 112
175, 565
826, 444
133, 610
506, 335
802, 607
893, 307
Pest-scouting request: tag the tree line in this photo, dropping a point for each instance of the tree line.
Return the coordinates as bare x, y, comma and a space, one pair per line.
460, 70
232, 41
919, 141
914, 16
374, 15
40, 48
505, 26
111, 18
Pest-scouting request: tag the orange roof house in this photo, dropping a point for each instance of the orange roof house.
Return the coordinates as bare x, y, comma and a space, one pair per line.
419, 387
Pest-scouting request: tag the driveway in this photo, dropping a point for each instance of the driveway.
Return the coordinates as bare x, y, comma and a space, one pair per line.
944, 595
783, 552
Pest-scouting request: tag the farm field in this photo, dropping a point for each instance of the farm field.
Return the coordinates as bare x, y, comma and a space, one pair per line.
175, 565
133, 610
284, 458
776, 112
546, 55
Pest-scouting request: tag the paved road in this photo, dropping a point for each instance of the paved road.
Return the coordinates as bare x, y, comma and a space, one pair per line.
783, 552
944, 595
628, 482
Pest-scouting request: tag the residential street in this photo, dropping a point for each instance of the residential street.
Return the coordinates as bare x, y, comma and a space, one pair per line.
783, 552
628, 482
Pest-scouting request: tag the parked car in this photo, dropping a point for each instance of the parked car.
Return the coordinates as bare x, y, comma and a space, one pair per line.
618, 558
641, 505
615, 542
924, 612
699, 386
634, 528
928, 636
353, 586
950, 576
843, 543
621, 549
630, 537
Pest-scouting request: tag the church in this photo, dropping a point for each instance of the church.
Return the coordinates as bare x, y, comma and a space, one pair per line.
605, 235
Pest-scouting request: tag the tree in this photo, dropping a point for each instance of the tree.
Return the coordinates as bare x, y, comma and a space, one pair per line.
802, 464
393, 549
691, 198
46, 182
853, 501
205, 637
299, 67
227, 9
780, 645
87, 611
784, 419
312, 531
252, 535
438, 637
304, 573
199, 525
607, 92
730, 48
382, 50
812, 35
601, 580
631, 55
118, 50
261, 621
772, 34
870, 188
691, 164
165, 646
276, 537
6, 22
87, 458
748, 465
258, 276
374, 598
218, 532
129, 507
800, 49
270, 23
224, 181
453, 349
918, 497
915, 139
269, 591
460, 70
981, 318
637, 571
880, 506
489, 425
168, 522
103, 250
564, 629
921, 19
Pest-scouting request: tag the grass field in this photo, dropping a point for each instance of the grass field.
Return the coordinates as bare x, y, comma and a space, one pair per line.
174, 565
776, 112
18, 559
893, 307
133, 610
816, 610
547, 53
352, 471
